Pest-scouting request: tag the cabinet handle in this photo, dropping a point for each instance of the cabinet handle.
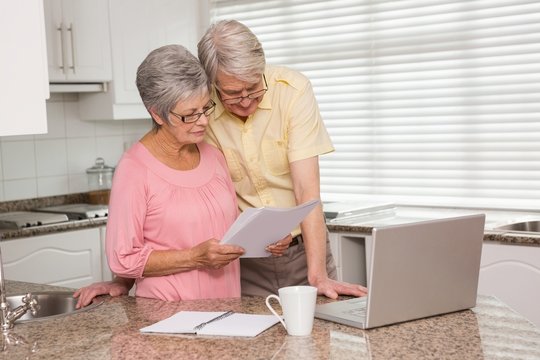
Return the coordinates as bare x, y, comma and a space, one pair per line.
70, 29
62, 66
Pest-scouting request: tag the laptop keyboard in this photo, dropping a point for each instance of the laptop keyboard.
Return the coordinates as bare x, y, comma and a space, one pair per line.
360, 312
358, 307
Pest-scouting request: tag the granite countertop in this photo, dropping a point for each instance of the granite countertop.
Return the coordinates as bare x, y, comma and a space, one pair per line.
491, 330
73, 225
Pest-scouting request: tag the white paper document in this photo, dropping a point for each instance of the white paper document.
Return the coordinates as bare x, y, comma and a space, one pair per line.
256, 228
235, 324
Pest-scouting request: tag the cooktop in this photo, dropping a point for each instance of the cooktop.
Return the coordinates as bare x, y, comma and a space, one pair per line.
78, 211
27, 219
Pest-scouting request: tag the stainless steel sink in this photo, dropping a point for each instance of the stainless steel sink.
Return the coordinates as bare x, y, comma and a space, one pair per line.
52, 304
525, 226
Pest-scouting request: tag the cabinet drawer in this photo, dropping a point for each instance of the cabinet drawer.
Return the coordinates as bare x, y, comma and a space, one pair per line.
70, 259
512, 273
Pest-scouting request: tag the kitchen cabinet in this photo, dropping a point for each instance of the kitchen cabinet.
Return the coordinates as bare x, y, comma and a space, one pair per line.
71, 259
24, 83
106, 273
138, 27
512, 273
78, 41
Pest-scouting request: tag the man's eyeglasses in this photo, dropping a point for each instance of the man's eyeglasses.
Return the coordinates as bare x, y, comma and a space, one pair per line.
251, 96
209, 109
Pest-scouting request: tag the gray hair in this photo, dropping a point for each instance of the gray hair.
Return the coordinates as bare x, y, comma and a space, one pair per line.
170, 74
229, 46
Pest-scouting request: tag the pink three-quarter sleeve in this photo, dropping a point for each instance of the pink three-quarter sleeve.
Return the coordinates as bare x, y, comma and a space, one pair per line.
127, 252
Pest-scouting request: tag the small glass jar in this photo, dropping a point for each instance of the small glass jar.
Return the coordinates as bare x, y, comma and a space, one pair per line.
99, 182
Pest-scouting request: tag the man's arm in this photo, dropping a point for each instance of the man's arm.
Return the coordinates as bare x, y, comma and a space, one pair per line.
306, 185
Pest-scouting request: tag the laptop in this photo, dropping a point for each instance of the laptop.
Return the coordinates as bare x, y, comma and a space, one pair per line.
416, 270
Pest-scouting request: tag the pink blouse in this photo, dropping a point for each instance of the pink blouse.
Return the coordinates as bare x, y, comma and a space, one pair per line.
153, 207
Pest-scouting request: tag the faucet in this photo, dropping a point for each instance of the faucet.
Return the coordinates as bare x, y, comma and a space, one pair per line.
8, 316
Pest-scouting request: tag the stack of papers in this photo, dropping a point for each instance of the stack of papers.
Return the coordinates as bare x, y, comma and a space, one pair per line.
235, 324
256, 228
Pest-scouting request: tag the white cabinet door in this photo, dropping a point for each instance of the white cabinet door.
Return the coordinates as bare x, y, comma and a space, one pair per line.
106, 273
512, 273
23, 68
78, 40
71, 259
138, 27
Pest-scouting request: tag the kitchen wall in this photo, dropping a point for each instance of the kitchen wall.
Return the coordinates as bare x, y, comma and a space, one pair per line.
55, 163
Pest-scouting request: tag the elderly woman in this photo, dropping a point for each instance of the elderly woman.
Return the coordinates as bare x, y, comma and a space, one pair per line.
172, 197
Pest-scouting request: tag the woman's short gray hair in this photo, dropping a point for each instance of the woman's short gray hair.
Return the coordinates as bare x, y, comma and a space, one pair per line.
229, 46
170, 74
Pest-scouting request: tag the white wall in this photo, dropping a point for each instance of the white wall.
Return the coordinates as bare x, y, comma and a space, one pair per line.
55, 163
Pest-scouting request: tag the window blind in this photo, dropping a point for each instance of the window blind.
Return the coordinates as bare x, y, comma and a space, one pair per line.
433, 102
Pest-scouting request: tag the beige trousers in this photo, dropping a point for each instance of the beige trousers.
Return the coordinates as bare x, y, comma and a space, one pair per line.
264, 276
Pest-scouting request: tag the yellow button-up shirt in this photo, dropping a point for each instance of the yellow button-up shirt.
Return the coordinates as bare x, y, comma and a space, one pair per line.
286, 127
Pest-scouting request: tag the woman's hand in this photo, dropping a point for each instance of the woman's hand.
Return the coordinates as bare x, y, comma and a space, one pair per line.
117, 287
214, 255
279, 248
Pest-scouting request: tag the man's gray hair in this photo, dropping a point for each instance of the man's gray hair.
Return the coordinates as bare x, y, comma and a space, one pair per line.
230, 46
170, 74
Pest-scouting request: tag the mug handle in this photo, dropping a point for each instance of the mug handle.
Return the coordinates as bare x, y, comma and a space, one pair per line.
272, 296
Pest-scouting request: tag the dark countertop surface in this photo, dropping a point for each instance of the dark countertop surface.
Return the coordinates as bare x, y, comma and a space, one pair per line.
363, 223
52, 229
491, 330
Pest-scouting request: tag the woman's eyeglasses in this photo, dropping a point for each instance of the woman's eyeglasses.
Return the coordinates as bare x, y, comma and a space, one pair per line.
207, 111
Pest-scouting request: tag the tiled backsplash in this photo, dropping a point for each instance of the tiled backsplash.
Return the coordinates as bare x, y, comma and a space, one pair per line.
55, 163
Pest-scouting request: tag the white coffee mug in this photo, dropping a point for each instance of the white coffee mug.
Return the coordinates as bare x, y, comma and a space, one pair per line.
298, 305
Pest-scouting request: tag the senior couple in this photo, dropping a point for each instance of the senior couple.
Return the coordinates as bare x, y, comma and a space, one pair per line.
229, 132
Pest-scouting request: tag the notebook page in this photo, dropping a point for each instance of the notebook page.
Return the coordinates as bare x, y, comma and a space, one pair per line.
249, 325
182, 322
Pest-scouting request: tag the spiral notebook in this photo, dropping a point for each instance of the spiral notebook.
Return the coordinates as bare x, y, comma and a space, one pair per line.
218, 323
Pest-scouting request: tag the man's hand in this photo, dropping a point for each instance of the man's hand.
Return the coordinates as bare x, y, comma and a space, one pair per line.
332, 288
279, 248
